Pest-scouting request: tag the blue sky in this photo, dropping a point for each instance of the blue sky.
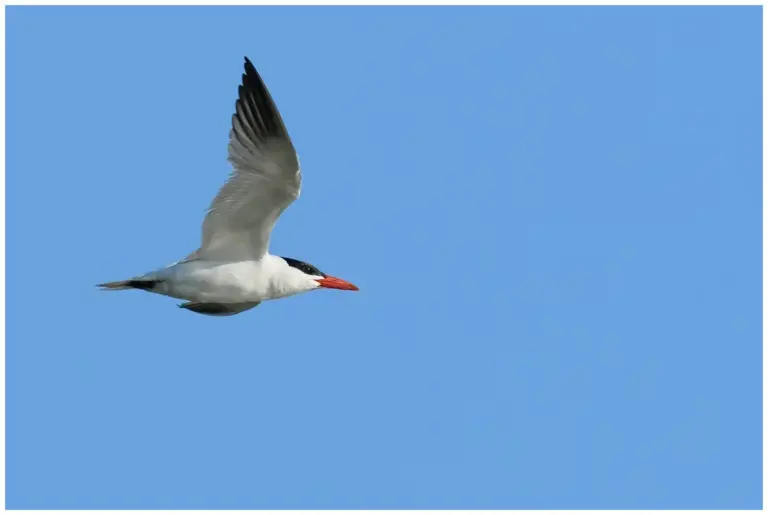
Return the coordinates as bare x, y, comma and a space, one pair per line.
553, 215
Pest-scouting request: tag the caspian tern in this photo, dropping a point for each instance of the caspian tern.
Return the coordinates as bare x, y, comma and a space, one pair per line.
233, 270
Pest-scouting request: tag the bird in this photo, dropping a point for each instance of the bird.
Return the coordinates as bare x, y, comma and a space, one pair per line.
232, 271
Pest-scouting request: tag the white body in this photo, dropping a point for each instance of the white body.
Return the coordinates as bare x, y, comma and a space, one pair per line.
232, 282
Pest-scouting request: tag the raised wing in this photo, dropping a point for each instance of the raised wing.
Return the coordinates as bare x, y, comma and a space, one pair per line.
264, 181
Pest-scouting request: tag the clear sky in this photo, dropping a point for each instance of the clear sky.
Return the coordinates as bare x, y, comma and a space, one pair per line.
553, 214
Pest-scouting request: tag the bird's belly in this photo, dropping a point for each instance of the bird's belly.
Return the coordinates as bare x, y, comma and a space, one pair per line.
225, 282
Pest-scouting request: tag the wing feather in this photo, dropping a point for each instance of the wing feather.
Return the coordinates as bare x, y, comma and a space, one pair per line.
264, 181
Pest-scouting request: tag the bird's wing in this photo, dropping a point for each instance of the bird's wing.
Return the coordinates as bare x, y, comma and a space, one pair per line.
264, 181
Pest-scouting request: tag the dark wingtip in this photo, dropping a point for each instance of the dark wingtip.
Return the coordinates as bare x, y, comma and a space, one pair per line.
249, 67
260, 116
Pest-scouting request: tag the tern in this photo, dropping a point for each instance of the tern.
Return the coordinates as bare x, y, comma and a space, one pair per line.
233, 271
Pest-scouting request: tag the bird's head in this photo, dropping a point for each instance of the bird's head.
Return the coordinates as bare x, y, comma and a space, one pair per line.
308, 277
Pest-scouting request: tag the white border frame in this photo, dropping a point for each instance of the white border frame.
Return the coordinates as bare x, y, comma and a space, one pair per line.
350, 2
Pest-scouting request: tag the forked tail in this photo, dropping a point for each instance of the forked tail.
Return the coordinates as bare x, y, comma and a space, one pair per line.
140, 284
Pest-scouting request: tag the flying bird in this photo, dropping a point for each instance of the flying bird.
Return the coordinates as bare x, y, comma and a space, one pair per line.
233, 271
